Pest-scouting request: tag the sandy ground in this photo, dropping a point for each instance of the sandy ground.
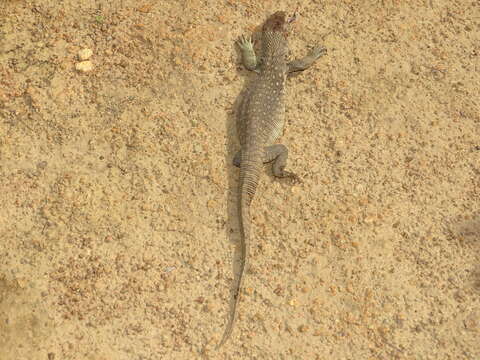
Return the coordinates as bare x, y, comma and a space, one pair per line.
118, 217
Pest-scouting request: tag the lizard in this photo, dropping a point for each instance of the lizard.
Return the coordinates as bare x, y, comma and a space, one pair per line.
261, 121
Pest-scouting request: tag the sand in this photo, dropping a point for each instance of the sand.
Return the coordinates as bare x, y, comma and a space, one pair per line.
118, 220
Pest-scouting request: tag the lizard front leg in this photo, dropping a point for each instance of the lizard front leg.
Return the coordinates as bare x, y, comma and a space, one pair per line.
307, 61
248, 54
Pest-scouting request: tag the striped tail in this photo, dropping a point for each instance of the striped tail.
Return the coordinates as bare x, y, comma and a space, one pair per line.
249, 175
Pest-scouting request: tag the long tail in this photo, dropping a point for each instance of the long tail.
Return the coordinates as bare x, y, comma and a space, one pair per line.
244, 248
249, 175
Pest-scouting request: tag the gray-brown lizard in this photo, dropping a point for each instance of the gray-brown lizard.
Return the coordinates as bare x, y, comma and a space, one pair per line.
261, 116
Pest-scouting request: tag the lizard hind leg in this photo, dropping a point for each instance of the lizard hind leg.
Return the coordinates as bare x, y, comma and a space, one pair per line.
278, 153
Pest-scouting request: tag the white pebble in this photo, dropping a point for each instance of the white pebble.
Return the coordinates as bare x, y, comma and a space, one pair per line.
85, 54
84, 66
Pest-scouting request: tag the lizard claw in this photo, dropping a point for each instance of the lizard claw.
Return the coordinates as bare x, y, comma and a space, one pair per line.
319, 51
245, 43
294, 179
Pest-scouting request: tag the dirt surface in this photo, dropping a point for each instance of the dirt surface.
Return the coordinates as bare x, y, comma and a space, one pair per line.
118, 220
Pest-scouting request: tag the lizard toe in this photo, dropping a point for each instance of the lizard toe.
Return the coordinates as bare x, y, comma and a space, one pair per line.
319, 51
293, 178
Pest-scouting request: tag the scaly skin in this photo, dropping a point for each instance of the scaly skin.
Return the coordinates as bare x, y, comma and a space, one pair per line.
262, 121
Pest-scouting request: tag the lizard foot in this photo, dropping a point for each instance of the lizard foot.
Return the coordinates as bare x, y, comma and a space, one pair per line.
294, 178
318, 51
246, 44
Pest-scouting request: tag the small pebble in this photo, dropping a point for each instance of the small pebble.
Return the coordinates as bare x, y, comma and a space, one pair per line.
471, 322
369, 219
293, 302
84, 66
169, 269
85, 54
303, 328
22, 283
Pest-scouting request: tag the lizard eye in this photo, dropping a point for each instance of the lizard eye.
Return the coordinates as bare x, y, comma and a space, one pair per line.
292, 18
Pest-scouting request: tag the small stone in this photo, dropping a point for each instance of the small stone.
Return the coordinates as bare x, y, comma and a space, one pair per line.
472, 322
84, 66
303, 328
85, 54
145, 8
211, 204
208, 308
22, 282
305, 289
293, 302
259, 317
369, 219
383, 330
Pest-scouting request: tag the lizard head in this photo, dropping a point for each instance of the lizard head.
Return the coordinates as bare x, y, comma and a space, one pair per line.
274, 34
275, 23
